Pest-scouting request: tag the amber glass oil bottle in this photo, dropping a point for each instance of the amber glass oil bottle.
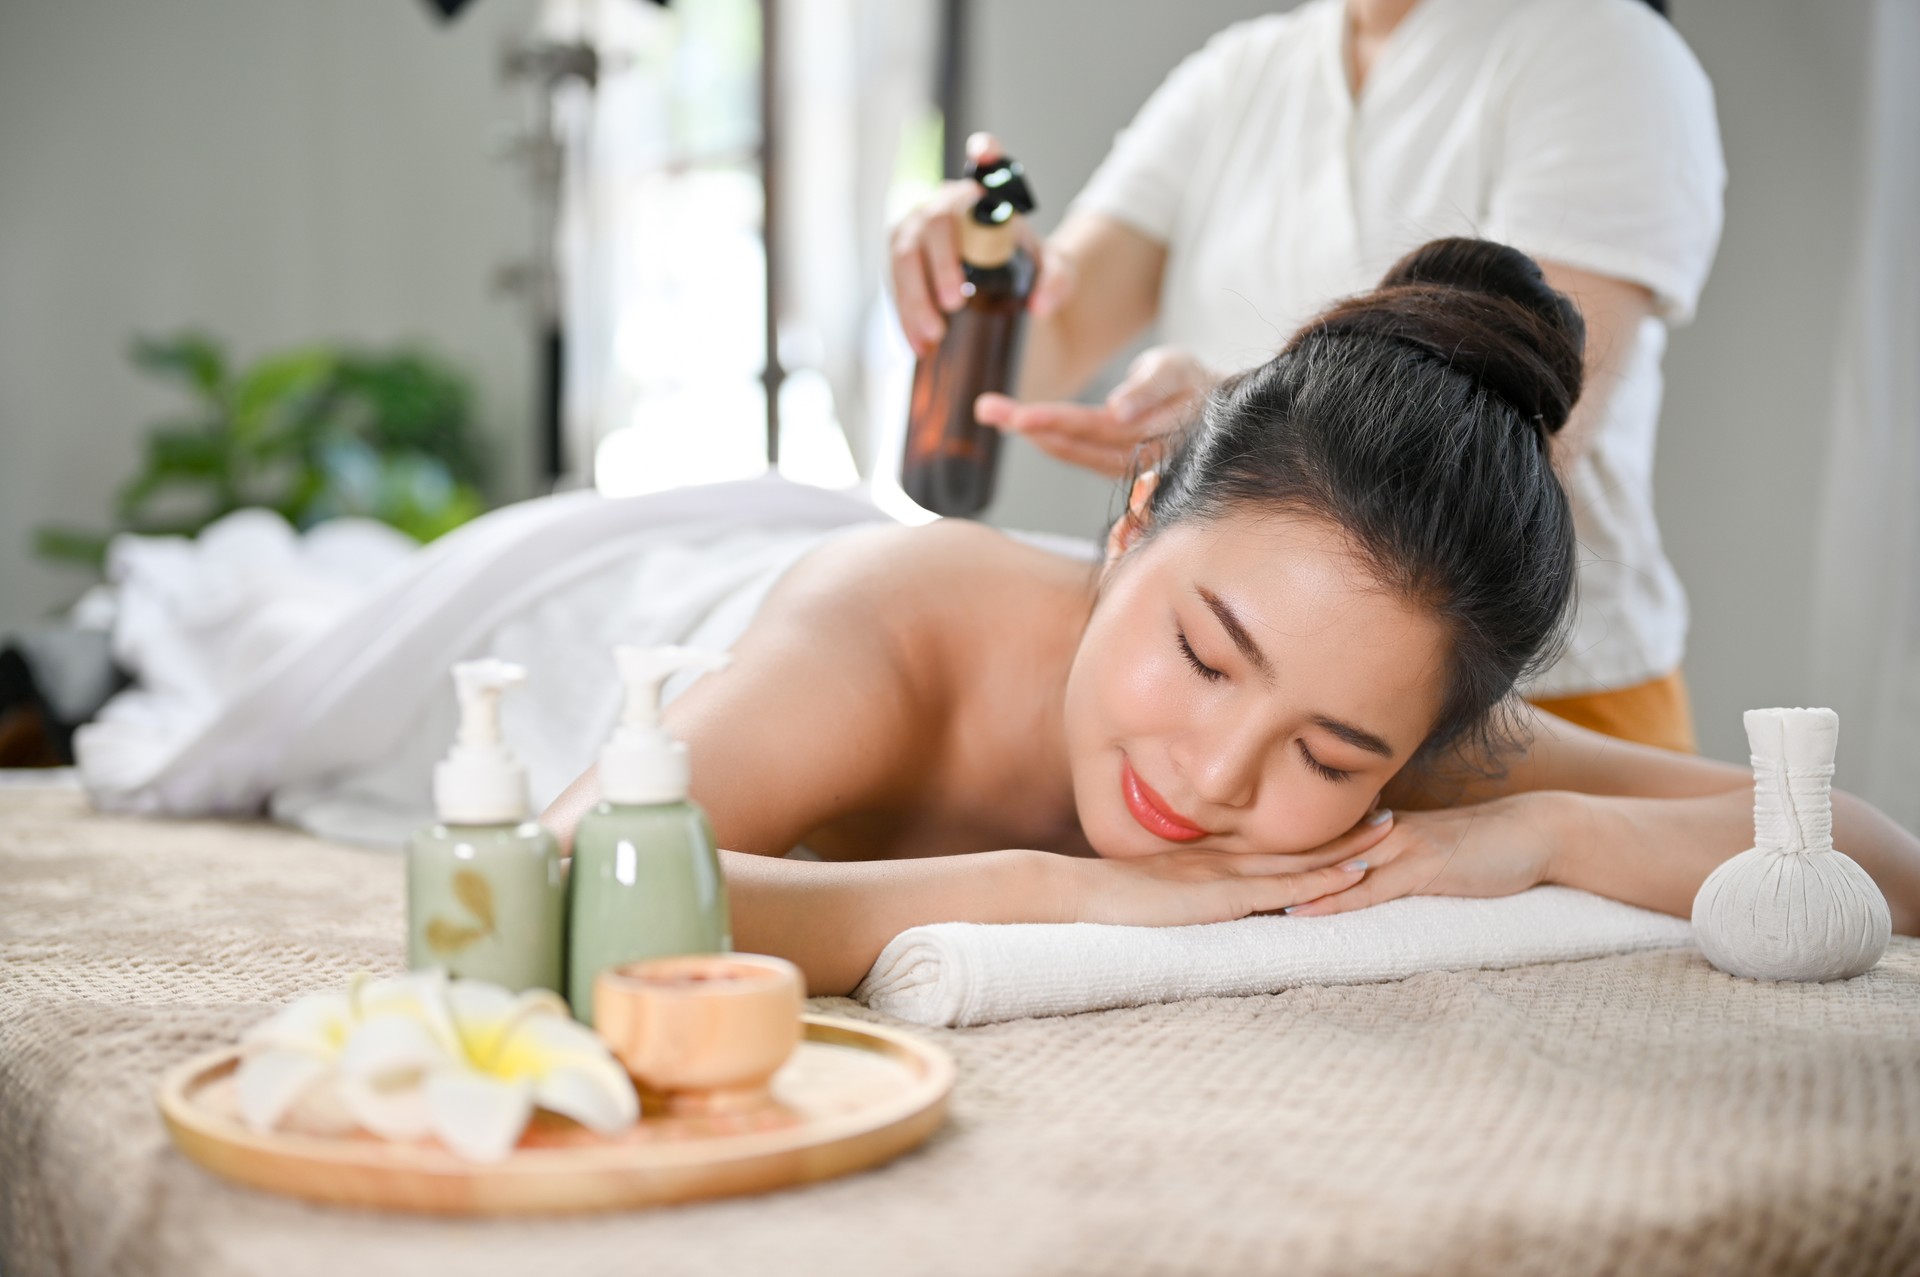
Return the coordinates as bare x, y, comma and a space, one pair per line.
950, 459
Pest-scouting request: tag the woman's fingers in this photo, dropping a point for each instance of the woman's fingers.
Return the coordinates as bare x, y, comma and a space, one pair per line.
1389, 881
1496, 848
1354, 851
1265, 893
1363, 839
1359, 848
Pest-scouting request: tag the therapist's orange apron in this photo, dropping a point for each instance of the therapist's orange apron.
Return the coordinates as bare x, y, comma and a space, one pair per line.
1655, 713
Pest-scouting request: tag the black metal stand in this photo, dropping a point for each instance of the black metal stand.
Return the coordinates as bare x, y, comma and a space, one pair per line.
950, 89
771, 374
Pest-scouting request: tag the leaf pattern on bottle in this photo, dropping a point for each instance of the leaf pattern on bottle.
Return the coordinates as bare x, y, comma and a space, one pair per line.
446, 938
475, 894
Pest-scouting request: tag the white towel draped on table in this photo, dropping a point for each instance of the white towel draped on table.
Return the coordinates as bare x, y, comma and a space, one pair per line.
332, 706
958, 973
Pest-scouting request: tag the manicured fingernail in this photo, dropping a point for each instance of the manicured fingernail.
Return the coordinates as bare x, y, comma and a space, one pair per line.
1380, 817
1290, 908
1355, 866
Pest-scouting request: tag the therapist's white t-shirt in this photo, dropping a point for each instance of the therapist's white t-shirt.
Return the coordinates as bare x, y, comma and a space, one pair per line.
1579, 131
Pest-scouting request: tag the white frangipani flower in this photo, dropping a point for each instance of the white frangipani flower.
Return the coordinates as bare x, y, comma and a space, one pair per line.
288, 1059
463, 1061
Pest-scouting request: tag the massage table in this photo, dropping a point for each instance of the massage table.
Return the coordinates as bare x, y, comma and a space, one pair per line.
1638, 1114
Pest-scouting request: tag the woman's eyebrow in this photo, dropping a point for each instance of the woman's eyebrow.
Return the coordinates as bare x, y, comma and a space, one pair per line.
1230, 622
1354, 736
1236, 630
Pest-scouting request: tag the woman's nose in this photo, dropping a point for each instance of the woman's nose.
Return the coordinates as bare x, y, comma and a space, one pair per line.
1225, 771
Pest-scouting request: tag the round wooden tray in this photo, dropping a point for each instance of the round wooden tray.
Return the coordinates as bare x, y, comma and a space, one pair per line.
852, 1096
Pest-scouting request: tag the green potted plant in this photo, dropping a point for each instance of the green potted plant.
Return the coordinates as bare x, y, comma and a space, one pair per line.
311, 433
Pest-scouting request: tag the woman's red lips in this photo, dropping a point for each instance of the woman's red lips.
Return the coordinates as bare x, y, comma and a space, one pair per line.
1152, 811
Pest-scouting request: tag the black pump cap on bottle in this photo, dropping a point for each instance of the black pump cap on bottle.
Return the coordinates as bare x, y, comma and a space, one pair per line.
1007, 192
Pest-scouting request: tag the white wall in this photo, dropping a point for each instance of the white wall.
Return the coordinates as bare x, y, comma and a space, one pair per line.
280, 170
274, 171
1743, 432
1743, 436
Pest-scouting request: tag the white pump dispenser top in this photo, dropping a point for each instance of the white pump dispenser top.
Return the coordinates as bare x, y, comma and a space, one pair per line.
480, 782
641, 764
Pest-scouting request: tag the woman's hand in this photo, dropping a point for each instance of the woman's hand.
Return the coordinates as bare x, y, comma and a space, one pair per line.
1496, 848
1183, 888
1163, 392
925, 252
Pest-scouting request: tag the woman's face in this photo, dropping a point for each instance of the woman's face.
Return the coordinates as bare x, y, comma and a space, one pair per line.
1244, 685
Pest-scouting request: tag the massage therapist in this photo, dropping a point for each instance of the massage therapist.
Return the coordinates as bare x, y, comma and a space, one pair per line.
1296, 156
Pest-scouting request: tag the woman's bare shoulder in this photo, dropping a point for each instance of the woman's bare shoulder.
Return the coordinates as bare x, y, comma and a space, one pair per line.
912, 576
892, 550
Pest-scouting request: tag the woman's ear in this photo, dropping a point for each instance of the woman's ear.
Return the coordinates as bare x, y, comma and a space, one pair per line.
1131, 526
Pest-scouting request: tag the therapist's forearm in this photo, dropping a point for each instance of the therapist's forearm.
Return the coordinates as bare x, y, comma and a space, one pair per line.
1116, 273
1054, 365
1065, 349
1655, 852
1613, 310
832, 920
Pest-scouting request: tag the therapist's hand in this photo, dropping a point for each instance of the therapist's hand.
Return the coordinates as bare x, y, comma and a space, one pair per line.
1164, 390
926, 258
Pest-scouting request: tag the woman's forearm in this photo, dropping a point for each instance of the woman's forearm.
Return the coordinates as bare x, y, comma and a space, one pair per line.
1655, 852
832, 920
562, 815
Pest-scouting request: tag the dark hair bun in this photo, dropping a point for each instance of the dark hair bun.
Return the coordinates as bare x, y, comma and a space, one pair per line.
1414, 418
1486, 310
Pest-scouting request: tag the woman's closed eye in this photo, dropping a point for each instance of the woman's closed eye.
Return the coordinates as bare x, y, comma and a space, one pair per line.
1319, 768
1212, 675
1200, 667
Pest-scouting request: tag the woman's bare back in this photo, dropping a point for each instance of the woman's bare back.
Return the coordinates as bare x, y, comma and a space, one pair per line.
899, 695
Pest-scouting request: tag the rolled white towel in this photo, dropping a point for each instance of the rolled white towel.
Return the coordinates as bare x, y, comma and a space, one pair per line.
962, 973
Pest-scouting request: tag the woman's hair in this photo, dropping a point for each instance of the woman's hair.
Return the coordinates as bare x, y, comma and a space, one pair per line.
1416, 418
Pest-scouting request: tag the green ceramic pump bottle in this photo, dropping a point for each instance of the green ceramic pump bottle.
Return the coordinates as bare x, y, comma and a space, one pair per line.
646, 880
485, 892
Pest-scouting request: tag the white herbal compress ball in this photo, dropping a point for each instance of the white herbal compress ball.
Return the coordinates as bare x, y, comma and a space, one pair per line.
1792, 908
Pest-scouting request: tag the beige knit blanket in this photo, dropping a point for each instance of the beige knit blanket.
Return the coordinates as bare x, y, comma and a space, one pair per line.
1637, 1114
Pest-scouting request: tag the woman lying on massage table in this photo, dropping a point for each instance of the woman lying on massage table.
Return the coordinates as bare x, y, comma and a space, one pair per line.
1288, 686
